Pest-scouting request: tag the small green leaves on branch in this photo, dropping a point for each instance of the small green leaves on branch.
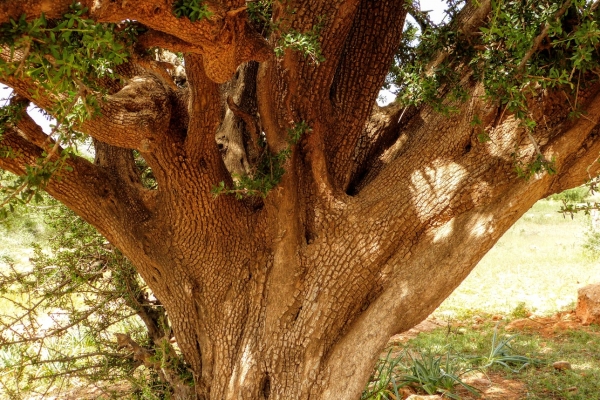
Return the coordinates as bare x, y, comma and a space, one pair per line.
68, 56
554, 47
66, 62
269, 169
525, 48
195, 10
307, 43
538, 165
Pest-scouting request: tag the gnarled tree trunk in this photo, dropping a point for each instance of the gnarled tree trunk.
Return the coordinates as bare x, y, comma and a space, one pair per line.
381, 213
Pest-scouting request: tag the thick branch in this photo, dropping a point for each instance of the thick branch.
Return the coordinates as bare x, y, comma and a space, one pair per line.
86, 189
134, 118
225, 39
33, 8
364, 55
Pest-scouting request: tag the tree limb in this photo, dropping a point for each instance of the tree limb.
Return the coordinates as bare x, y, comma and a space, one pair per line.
34, 8
136, 117
539, 38
225, 39
87, 189
350, 94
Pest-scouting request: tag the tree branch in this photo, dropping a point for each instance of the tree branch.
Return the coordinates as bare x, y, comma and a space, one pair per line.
136, 117
87, 189
34, 8
225, 40
539, 38
350, 94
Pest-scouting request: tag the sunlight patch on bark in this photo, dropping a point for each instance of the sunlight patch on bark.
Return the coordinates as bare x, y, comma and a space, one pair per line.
437, 183
481, 224
241, 371
444, 231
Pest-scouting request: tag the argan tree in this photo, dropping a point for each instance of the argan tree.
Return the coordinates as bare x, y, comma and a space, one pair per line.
294, 225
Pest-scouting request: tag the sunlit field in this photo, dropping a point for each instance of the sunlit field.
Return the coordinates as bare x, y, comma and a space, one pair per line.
540, 261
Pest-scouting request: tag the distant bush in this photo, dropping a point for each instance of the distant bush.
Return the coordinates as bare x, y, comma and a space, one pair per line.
592, 244
575, 195
79, 315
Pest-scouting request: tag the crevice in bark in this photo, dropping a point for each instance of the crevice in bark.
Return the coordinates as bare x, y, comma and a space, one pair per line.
265, 386
467, 148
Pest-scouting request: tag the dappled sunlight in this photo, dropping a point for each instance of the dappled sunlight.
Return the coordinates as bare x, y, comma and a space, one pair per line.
481, 224
444, 232
437, 182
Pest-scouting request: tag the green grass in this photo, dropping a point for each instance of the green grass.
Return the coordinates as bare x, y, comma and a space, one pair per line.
578, 347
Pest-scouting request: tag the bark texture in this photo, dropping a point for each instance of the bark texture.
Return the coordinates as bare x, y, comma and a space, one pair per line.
374, 223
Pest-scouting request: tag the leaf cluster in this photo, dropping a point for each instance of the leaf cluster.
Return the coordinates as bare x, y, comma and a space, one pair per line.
195, 10
69, 56
268, 171
306, 43
526, 45
68, 59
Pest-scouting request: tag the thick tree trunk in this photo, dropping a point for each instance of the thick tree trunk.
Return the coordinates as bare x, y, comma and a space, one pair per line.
381, 213
274, 305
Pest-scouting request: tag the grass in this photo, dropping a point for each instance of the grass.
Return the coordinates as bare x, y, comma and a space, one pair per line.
542, 381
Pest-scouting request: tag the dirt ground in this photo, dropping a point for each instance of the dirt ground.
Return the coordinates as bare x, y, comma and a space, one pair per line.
494, 386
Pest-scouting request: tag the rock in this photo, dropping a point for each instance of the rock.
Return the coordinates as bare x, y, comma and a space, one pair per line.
479, 382
562, 365
497, 317
588, 304
421, 397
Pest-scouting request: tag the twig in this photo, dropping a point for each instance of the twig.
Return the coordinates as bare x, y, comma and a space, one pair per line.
538, 40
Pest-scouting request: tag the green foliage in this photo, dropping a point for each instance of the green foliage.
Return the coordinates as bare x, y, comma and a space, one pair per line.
269, 169
382, 384
575, 195
435, 374
306, 43
66, 59
68, 56
526, 46
592, 245
503, 354
430, 367
538, 165
422, 370
503, 57
195, 10
61, 314
146, 175
520, 311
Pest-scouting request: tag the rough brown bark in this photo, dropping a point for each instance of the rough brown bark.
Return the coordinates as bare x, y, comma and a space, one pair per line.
375, 222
